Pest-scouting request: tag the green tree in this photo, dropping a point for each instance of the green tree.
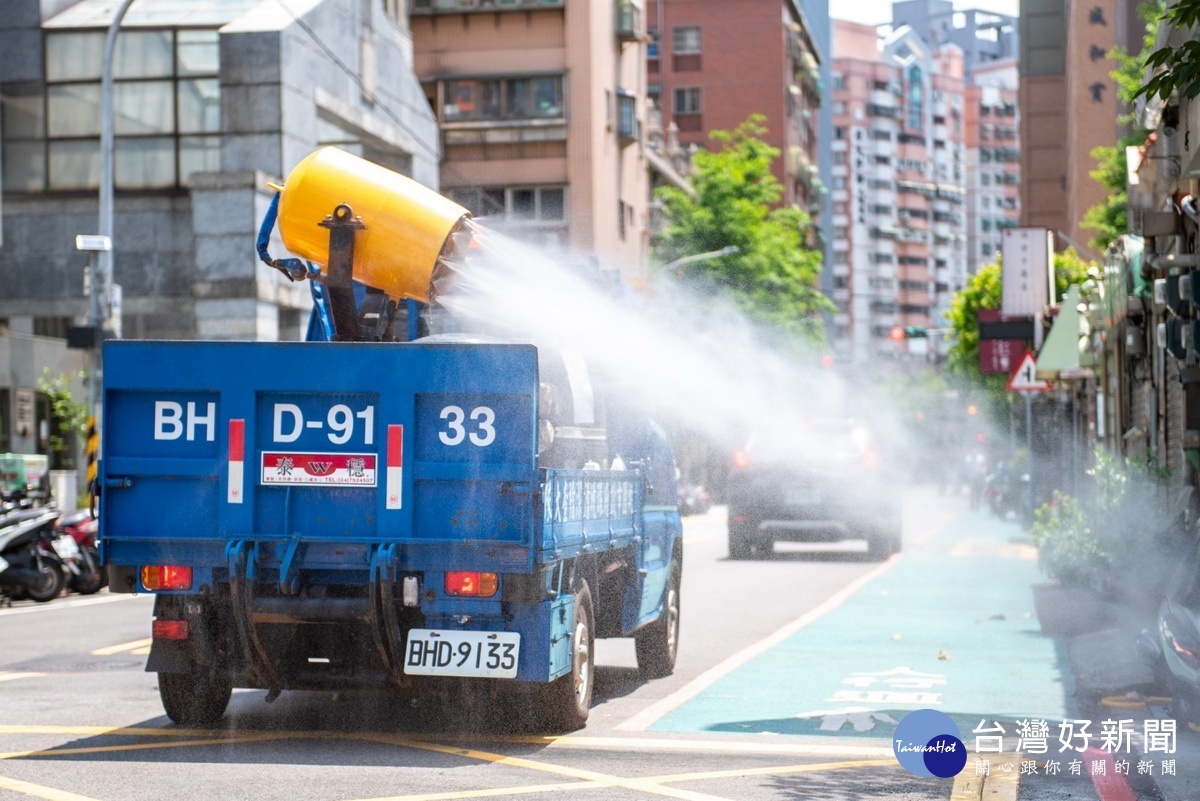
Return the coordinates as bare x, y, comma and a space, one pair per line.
773, 276
983, 291
1108, 218
1176, 69
68, 417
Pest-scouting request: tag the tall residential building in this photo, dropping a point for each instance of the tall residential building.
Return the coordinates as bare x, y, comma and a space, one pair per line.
212, 100
993, 160
542, 109
713, 64
989, 44
898, 186
1068, 105
983, 36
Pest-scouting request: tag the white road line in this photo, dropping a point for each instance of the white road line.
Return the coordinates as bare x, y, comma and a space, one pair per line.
68, 604
648, 716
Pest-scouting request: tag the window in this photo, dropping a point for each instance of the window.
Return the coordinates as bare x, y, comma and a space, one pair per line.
839, 108
652, 43
627, 124
502, 98
166, 104
687, 100
535, 214
839, 81
839, 132
916, 99
685, 40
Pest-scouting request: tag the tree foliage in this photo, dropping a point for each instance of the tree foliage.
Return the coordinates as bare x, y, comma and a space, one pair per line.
68, 416
983, 291
1176, 69
773, 276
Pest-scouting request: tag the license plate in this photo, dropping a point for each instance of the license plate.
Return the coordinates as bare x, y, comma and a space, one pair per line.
486, 654
802, 497
65, 547
3, 564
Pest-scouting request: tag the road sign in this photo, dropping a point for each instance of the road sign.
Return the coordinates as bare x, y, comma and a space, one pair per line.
1024, 378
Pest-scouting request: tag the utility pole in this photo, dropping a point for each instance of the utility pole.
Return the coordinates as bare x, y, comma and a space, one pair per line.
100, 260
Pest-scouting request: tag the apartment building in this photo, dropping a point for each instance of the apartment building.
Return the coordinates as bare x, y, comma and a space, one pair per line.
710, 65
899, 186
542, 109
993, 160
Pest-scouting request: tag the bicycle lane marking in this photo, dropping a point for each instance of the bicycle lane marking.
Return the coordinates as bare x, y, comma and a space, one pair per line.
653, 713
949, 632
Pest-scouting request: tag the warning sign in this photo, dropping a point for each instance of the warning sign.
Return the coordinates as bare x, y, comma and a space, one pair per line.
326, 469
1024, 378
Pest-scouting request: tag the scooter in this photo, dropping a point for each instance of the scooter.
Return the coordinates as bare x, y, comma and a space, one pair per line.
29, 565
75, 543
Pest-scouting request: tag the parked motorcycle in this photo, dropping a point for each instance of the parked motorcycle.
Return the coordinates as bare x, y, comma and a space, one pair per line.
30, 567
75, 543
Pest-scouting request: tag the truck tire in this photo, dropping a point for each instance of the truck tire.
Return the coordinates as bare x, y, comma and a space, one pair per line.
566, 700
658, 644
195, 699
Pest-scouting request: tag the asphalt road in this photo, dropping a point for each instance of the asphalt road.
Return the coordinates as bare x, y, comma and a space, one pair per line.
789, 672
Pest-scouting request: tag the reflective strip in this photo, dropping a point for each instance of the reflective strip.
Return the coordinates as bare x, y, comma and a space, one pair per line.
395, 466
237, 459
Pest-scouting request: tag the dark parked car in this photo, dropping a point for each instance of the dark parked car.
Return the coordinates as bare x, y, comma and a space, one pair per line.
826, 481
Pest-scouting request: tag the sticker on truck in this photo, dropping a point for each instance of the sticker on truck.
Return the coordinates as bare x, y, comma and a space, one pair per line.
325, 469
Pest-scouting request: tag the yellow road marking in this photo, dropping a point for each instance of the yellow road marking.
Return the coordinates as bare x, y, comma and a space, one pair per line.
141, 651
39, 791
104, 749
720, 746
772, 771
125, 646
96, 731
591, 778
15, 676
996, 785
993, 549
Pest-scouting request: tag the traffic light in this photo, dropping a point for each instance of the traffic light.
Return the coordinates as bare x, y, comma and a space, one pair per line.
899, 333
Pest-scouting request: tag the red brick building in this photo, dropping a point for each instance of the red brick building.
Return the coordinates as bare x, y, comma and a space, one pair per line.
712, 64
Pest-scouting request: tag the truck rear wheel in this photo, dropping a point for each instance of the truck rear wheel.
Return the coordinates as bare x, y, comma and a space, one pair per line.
566, 700
194, 699
658, 644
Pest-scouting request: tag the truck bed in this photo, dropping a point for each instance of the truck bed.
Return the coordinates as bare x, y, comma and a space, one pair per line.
318, 454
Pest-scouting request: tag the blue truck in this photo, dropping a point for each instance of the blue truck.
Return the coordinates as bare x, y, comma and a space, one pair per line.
447, 514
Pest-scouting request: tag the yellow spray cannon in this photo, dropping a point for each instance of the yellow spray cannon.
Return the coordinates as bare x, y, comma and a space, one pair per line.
363, 222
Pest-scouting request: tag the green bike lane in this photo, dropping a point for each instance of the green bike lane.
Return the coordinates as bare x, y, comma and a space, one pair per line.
947, 625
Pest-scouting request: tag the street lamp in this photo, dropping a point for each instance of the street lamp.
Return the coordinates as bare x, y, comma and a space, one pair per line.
728, 250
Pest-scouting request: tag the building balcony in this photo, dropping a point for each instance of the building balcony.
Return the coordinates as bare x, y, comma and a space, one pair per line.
629, 20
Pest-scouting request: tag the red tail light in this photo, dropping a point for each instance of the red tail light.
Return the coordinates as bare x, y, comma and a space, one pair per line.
870, 459
170, 629
166, 577
741, 459
471, 583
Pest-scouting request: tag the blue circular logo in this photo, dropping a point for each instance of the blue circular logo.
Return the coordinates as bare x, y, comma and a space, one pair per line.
927, 743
